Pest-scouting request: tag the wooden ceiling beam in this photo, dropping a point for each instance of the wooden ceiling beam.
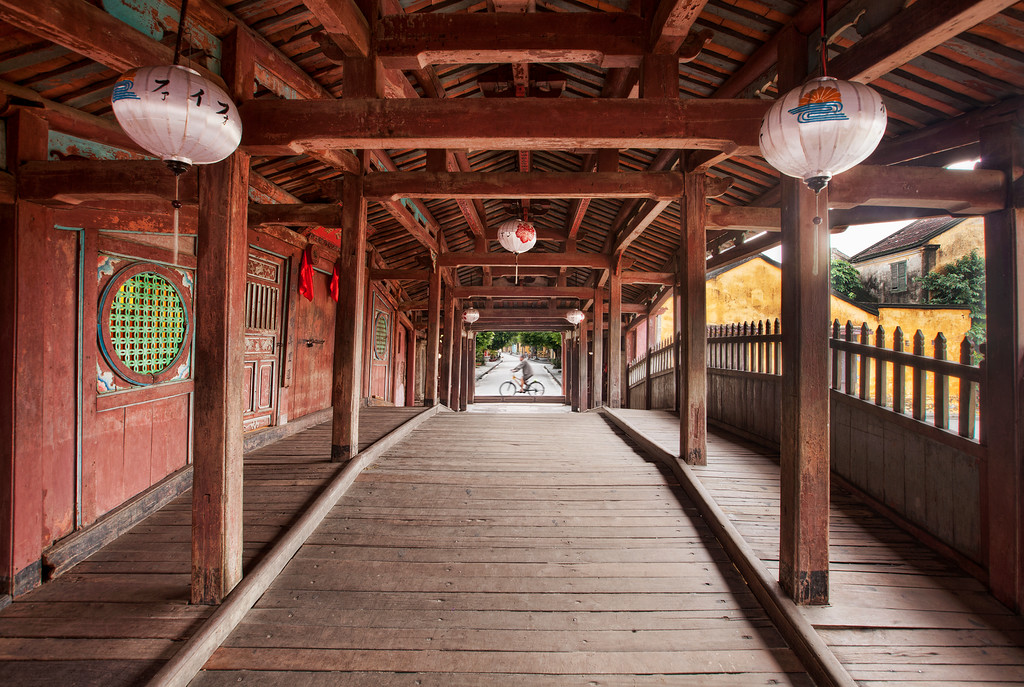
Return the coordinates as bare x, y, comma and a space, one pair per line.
75, 181
501, 185
344, 23
531, 259
657, 278
967, 192
424, 235
744, 217
518, 292
638, 224
413, 41
280, 127
672, 22
912, 32
400, 275
295, 215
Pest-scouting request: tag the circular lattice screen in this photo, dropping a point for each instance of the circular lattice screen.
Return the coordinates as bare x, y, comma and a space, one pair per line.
380, 336
144, 323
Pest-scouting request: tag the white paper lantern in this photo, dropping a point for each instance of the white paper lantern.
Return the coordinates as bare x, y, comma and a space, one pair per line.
821, 129
177, 114
470, 315
517, 236
575, 316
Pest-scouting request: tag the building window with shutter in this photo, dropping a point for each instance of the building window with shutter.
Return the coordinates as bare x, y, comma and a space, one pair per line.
899, 276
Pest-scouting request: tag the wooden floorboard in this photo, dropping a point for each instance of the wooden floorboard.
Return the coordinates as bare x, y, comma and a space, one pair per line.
511, 550
899, 613
116, 617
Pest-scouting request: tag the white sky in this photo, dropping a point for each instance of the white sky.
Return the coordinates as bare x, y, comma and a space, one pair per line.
860, 236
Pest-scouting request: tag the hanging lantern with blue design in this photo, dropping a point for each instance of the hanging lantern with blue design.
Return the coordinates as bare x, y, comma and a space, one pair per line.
821, 129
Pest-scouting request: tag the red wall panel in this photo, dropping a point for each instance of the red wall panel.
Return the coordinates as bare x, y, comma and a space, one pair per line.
313, 365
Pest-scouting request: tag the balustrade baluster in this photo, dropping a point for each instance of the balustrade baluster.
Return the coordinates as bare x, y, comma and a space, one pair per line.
968, 398
899, 375
848, 383
920, 380
778, 348
837, 358
881, 370
760, 346
865, 363
941, 393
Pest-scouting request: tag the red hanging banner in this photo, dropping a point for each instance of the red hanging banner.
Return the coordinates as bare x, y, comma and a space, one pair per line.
334, 284
306, 274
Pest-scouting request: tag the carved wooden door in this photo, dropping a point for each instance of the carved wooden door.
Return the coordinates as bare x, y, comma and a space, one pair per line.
264, 301
401, 360
380, 334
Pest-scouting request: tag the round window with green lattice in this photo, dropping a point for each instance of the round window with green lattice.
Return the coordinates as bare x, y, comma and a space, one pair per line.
145, 324
380, 336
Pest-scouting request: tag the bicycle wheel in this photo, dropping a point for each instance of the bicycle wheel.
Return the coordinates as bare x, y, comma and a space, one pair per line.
507, 389
535, 388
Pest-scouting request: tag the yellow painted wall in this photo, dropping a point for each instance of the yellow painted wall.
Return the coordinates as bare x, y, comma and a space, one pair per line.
960, 241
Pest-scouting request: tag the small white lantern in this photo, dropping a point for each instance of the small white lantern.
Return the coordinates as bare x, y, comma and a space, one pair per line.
517, 236
470, 315
177, 114
575, 316
821, 129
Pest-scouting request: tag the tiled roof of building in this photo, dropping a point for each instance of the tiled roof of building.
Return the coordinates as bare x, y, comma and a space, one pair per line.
910, 236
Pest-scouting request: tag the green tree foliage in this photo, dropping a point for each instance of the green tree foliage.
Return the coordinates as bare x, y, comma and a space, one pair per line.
502, 339
541, 340
484, 341
960, 283
846, 280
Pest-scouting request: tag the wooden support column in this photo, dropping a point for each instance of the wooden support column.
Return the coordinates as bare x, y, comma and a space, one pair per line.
566, 342
471, 386
467, 370
677, 334
223, 252
573, 373
648, 384
458, 355
693, 297
581, 371
430, 374
1002, 148
448, 342
597, 378
410, 366
348, 330
23, 252
615, 338
804, 450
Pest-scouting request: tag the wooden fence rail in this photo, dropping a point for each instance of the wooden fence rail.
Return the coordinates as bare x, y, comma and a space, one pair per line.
864, 365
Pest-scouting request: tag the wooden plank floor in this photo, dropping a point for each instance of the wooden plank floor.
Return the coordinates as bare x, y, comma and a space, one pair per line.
899, 612
117, 616
508, 549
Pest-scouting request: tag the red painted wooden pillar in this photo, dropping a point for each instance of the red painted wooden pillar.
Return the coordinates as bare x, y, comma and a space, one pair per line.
597, 365
583, 366
566, 392
430, 373
346, 395
448, 343
467, 370
804, 450
615, 339
223, 251
410, 366
471, 386
458, 356
573, 374
1002, 148
22, 368
693, 297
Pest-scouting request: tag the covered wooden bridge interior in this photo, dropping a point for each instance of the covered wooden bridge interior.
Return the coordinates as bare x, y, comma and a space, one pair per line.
382, 145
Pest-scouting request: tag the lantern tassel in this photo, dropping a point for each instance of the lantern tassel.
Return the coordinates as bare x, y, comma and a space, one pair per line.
176, 204
517, 269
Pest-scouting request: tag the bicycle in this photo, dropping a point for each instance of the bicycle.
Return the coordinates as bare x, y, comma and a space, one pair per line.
512, 387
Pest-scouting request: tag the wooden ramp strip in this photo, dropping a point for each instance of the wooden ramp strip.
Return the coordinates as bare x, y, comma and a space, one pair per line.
187, 662
808, 645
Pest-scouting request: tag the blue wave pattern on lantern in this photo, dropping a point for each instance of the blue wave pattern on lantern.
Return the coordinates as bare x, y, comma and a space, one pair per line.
123, 91
823, 104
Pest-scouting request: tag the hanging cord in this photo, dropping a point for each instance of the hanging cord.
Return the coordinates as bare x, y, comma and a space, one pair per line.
181, 32
517, 269
823, 39
817, 231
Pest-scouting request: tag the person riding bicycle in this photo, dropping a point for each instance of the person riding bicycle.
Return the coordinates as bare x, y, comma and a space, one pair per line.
527, 369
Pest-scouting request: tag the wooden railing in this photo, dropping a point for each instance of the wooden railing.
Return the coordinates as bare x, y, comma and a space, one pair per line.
864, 365
746, 346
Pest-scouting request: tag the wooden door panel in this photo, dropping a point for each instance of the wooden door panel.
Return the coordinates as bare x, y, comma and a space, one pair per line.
264, 305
